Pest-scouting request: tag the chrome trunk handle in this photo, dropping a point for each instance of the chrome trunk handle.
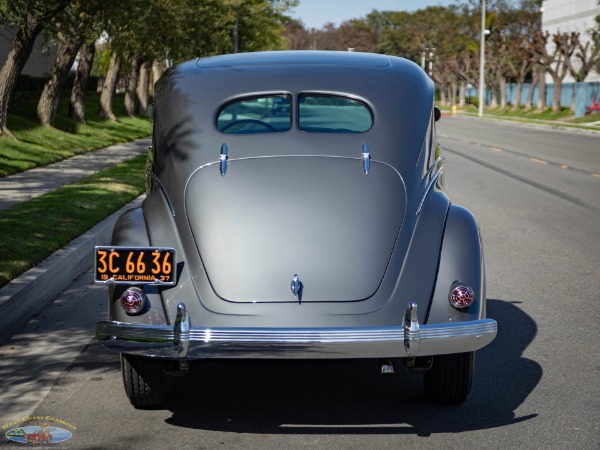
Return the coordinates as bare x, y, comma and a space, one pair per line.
366, 157
223, 159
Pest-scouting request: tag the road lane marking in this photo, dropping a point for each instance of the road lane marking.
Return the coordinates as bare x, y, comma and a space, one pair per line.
496, 168
525, 155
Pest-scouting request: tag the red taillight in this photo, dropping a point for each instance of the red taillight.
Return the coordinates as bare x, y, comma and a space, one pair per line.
461, 296
133, 300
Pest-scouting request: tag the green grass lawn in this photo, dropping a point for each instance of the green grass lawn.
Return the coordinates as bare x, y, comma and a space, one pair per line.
31, 231
38, 146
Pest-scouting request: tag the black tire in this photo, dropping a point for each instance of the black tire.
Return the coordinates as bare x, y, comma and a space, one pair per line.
146, 385
449, 379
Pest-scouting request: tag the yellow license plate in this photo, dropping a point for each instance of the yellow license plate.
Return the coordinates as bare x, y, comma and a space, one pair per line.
134, 265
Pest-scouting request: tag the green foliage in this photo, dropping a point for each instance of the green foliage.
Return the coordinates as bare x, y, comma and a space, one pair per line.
206, 27
183, 29
13, 11
101, 61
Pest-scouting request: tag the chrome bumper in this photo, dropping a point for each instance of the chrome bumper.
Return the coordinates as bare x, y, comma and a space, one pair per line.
182, 341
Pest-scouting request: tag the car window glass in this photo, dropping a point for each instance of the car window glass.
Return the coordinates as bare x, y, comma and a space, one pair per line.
264, 114
333, 114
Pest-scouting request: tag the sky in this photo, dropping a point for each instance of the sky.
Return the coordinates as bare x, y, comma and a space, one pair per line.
316, 13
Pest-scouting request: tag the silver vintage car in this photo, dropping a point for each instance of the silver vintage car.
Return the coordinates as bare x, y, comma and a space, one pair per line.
295, 209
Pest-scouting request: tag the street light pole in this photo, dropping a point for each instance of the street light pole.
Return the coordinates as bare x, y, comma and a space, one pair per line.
482, 59
431, 50
423, 54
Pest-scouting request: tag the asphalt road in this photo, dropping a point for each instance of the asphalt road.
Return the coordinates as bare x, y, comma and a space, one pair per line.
536, 194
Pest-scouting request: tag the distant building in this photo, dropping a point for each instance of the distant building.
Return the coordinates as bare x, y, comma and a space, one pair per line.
42, 56
568, 16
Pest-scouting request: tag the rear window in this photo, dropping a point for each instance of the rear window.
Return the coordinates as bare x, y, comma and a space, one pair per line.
265, 114
322, 113
333, 114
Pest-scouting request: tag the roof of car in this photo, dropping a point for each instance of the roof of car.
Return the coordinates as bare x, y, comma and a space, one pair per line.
396, 92
301, 57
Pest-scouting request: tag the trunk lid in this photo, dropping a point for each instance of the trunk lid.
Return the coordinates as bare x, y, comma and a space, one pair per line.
270, 218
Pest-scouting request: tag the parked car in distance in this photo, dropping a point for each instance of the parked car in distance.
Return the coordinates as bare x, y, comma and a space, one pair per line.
295, 209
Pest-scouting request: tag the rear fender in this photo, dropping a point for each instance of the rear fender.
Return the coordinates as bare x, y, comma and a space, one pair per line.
130, 231
461, 260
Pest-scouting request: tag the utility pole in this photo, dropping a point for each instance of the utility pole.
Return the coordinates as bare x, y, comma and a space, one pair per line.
482, 59
423, 53
431, 50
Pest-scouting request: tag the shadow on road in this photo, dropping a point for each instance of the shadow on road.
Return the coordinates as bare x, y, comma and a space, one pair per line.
350, 397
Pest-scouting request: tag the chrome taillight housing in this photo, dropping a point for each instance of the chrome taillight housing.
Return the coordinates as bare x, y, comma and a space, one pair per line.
133, 300
461, 296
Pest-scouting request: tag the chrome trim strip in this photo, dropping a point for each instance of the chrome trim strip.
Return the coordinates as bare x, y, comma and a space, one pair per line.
300, 343
162, 188
431, 183
435, 164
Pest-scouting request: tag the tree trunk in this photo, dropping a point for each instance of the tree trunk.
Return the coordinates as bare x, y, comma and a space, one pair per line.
108, 90
503, 93
442, 91
129, 102
518, 93
461, 95
453, 93
48, 104
557, 95
541, 104
534, 82
76, 104
142, 87
494, 101
21, 48
158, 69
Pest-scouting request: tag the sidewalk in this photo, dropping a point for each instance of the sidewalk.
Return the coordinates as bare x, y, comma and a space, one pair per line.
28, 294
35, 182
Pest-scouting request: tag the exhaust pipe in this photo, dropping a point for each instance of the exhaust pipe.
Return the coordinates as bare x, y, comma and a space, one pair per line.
387, 367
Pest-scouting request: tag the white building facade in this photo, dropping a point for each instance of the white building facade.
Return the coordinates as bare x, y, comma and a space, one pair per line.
566, 16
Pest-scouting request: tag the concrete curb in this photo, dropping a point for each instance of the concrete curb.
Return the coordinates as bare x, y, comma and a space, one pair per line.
31, 292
